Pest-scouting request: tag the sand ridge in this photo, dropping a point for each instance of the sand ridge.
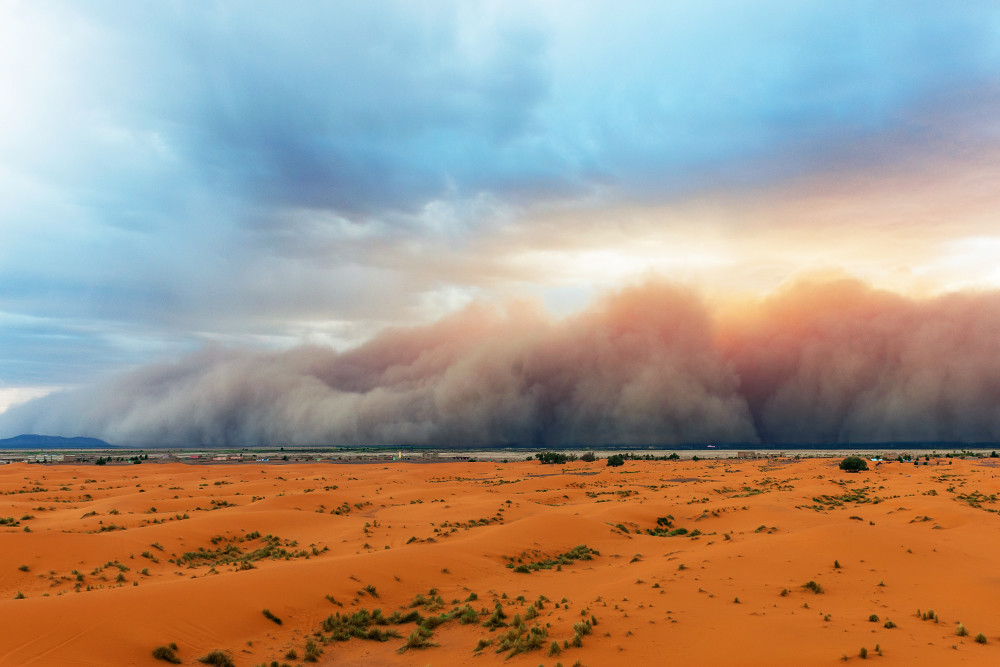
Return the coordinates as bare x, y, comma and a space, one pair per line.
694, 562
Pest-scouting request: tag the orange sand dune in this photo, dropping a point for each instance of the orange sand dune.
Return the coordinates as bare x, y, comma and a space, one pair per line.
99, 565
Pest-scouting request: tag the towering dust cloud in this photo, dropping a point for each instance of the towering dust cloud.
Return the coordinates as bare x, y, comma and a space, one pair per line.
835, 362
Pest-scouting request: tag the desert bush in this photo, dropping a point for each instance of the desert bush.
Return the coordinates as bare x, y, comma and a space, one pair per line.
496, 619
961, 631
166, 654
980, 638
271, 617
873, 618
419, 638
616, 460
863, 653
589, 457
813, 586
889, 625
853, 464
313, 652
468, 616
217, 659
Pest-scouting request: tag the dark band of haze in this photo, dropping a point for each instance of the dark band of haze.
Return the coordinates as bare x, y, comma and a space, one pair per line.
834, 362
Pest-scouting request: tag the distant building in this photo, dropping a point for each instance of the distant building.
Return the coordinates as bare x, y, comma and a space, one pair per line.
746, 455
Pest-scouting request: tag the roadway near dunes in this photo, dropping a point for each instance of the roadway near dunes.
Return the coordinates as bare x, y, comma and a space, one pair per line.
783, 562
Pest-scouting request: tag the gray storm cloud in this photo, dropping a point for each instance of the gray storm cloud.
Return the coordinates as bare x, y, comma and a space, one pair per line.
817, 363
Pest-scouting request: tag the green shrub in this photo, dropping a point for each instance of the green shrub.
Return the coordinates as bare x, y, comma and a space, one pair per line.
496, 619
419, 638
813, 586
961, 631
863, 653
616, 460
889, 625
873, 618
853, 464
271, 617
980, 638
313, 652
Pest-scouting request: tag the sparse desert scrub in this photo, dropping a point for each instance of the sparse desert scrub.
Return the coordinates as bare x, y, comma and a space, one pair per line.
312, 651
167, 654
550, 510
813, 586
217, 659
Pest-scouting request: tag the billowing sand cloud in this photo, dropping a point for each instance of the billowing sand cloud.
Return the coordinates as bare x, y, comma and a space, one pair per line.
833, 362
637, 367
839, 362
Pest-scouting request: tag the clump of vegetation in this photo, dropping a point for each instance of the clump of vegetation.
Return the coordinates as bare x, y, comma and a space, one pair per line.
961, 631
361, 624
313, 651
616, 460
889, 625
271, 617
554, 457
980, 638
228, 551
853, 464
581, 552
520, 638
217, 659
863, 653
813, 586
167, 654
496, 619
419, 638
873, 618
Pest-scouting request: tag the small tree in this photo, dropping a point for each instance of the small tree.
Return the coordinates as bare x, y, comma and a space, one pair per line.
589, 457
616, 460
853, 464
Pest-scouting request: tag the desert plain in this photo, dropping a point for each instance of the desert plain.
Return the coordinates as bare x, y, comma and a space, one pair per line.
711, 562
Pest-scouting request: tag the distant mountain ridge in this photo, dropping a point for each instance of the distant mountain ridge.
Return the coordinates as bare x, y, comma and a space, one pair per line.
34, 441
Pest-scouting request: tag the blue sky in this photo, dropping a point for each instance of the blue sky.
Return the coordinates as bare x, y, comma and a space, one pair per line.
264, 174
